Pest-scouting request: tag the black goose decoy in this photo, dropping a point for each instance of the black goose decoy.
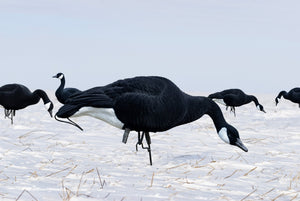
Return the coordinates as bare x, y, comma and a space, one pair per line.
147, 104
293, 95
62, 94
234, 98
16, 96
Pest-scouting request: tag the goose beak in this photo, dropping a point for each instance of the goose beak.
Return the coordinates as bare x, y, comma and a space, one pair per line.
51, 115
264, 111
54, 76
241, 145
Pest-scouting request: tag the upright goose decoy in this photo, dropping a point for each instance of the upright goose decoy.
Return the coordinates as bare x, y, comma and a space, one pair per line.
62, 94
234, 98
293, 95
147, 104
16, 96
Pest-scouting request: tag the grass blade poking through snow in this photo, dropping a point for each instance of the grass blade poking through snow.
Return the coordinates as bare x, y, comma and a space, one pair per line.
101, 183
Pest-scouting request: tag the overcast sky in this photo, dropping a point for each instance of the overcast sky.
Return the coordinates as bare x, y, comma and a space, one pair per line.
202, 45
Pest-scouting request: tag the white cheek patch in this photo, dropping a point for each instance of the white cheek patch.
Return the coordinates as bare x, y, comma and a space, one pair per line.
223, 135
258, 107
47, 105
61, 77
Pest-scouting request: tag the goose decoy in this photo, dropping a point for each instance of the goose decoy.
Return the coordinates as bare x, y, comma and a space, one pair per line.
62, 94
147, 104
16, 96
234, 98
293, 95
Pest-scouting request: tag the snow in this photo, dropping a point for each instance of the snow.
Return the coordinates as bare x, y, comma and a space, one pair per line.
42, 159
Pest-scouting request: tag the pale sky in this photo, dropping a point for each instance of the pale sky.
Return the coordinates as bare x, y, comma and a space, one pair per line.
202, 45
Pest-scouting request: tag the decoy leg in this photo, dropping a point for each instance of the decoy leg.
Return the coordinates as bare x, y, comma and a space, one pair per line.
10, 114
140, 140
7, 113
232, 109
148, 140
125, 135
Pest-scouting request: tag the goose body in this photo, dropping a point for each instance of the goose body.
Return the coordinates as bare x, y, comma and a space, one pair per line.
293, 95
62, 94
16, 97
147, 104
235, 98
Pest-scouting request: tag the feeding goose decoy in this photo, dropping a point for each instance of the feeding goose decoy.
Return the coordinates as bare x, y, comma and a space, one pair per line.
234, 98
293, 95
147, 104
16, 97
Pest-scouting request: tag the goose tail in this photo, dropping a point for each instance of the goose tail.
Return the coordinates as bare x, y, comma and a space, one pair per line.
67, 111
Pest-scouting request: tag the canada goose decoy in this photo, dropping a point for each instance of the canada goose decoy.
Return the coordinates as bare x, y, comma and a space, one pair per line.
62, 94
147, 104
234, 98
16, 96
293, 95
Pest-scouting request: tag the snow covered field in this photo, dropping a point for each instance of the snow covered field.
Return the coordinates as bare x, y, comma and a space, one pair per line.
42, 159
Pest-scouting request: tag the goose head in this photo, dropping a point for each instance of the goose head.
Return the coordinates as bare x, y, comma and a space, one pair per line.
49, 107
276, 101
59, 76
260, 108
231, 136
